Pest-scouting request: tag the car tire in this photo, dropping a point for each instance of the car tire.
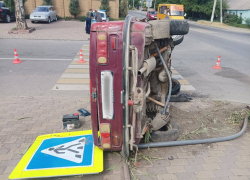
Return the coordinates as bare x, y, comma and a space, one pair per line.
176, 86
49, 21
7, 18
169, 132
33, 22
56, 18
178, 39
179, 27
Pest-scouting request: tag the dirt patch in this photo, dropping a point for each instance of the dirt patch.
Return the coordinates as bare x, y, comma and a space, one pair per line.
206, 118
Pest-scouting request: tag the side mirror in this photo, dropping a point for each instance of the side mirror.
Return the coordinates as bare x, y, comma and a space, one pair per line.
185, 15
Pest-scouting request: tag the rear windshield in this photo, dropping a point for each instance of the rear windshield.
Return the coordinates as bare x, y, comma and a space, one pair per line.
2, 4
102, 14
153, 12
42, 9
177, 11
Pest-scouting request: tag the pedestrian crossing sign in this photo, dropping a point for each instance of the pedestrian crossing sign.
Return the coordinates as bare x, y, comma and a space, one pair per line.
61, 154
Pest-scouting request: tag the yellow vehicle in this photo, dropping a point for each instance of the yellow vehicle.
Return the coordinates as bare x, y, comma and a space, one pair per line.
173, 11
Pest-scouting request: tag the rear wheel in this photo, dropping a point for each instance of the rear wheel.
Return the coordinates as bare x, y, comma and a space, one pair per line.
56, 18
7, 18
177, 39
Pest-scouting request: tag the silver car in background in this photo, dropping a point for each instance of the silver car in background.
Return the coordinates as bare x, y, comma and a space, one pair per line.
44, 13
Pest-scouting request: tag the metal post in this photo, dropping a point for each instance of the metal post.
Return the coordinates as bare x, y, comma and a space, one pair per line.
133, 4
220, 11
212, 16
141, 8
154, 5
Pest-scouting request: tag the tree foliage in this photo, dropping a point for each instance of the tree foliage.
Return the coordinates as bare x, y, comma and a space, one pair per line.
105, 6
123, 9
11, 4
136, 3
47, 2
203, 7
232, 19
74, 7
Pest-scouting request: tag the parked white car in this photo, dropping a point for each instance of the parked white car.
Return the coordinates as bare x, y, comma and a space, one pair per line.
44, 13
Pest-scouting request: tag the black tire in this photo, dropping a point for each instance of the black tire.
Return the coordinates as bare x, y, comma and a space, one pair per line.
33, 22
179, 27
49, 21
7, 18
176, 86
178, 39
169, 132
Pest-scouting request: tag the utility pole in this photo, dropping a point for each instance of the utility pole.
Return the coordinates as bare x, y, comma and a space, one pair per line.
154, 5
212, 16
141, 8
220, 11
133, 4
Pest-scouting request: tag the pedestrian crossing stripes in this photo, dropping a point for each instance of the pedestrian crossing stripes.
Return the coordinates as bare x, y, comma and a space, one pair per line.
76, 76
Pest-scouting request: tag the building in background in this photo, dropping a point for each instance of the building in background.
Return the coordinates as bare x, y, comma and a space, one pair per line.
240, 8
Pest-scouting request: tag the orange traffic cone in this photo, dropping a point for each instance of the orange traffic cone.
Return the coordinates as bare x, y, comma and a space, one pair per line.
217, 65
16, 59
81, 60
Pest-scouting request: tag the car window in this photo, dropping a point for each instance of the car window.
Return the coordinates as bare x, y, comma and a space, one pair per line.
42, 9
153, 12
102, 14
2, 4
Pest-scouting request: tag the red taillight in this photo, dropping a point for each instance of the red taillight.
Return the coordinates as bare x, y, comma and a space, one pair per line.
105, 135
1, 10
103, 20
102, 48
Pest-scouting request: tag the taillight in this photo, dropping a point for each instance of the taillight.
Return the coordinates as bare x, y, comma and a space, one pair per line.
1, 10
107, 94
102, 48
105, 135
103, 20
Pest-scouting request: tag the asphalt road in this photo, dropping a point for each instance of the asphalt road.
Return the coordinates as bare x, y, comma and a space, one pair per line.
193, 59
196, 55
39, 49
44, 61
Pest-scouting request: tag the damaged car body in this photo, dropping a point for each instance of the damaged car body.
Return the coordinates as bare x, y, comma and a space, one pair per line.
130, 81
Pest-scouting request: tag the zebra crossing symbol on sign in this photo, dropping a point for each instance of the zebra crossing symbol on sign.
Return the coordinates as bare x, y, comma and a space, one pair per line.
71, 151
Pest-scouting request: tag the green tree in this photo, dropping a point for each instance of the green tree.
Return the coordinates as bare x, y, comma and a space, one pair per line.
11, 4
136, 3
105, 6
74, 7
123, 9
47, 2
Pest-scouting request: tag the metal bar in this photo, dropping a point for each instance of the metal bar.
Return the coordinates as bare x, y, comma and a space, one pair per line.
161, 50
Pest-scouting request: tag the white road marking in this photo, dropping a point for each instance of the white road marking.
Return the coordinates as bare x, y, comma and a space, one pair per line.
80, 66
36, 59
69, 87
75, 76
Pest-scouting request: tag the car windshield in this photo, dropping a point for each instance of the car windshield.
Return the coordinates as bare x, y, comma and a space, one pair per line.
2, 4
42, 9
153, 12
